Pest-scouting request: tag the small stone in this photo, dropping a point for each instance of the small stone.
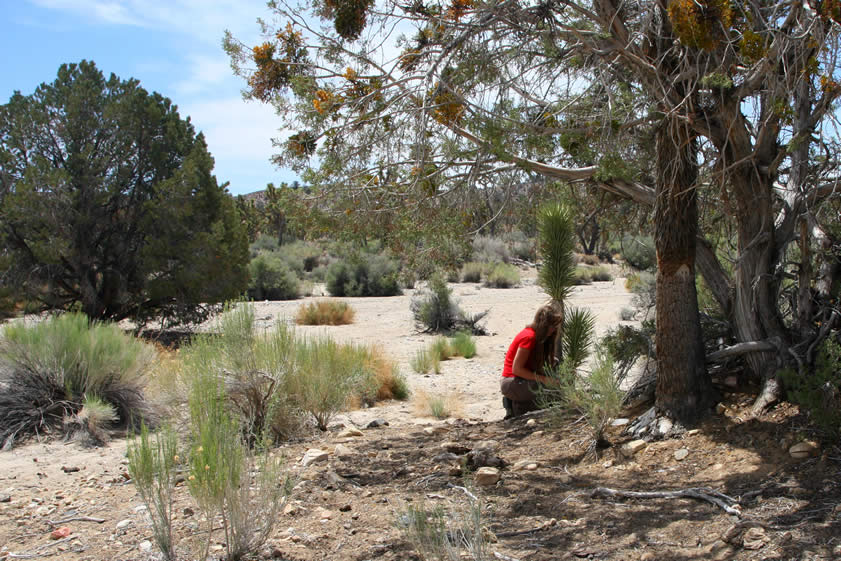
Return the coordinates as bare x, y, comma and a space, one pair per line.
345, 508
145, 546
527, 465
141, 508
619, 422
314, 455
455, 447
60, 533
454, 470
608, 464
630, 448
805, 449
123, 524
324, 514
531, 423
350, 433
487, 476
681, 454
437, 429
693, 432
290, 509
342, 451
664, 425
648, 556
537, 433
5, 498
70, 469
377, 423
721, 409
188, 511
216, 547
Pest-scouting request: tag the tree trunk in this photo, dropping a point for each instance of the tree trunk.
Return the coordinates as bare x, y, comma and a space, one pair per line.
684, 391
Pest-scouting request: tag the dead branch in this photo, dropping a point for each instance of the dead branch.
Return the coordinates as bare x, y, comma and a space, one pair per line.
76, 519
37, 551
728, 504
504, 557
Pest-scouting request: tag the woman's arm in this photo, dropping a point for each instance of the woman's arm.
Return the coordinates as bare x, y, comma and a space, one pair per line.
521, 369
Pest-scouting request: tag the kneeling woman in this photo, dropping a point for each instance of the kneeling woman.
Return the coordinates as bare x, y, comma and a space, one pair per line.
532, 350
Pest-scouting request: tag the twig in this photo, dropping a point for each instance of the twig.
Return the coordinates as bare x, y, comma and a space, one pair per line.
466, 492
545, 525
728, 504
76, 519
504, 557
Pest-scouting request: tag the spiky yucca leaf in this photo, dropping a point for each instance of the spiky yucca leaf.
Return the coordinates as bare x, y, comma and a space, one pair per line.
579, 327
557, 274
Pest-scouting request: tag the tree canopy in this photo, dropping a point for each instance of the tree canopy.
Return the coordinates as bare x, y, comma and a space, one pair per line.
109, 205
718, 115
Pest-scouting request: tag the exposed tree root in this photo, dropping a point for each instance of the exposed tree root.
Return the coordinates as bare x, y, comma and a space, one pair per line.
770, 394
728, 504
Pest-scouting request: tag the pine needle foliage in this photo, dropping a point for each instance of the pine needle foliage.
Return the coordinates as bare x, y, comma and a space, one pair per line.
556, 243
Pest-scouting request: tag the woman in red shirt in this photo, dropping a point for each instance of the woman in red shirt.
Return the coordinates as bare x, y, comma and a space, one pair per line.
532, 350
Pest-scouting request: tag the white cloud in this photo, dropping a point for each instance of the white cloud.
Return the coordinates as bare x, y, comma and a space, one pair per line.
206, 73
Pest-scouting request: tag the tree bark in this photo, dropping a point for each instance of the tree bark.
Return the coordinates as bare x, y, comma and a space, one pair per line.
684, 391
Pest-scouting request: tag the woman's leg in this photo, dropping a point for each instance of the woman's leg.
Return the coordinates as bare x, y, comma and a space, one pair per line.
522, 394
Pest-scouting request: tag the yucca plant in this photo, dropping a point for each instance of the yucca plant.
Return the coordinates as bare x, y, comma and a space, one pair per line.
556, 244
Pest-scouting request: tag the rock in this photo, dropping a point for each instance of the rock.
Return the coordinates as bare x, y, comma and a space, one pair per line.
445, 457
693, 432
145, 546
754, 539
5, 498
487, 476
648, 556
70, 469
455, 447
345, 508
454, 470
681, 454
630, 448
721, 409
664, 425
314, 455
291, 509
527, 465
531, 423
334, 479
350, 433
805, 449
619, 422
342, 451
188, 511
324, 514
483, 457
141, 508
437, 429
537, 433
608, 464
123, 524
377, 423
60, 533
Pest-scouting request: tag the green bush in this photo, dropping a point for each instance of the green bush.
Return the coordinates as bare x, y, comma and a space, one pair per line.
364, 275
819, 393
435, 311
520, 245
487, 249
601, 274
424, 361
271, 279
473, 271
263, 244
502, 275
440, 535
463, 344
639, 252
153, 467
253, 371
582, 275
49, 370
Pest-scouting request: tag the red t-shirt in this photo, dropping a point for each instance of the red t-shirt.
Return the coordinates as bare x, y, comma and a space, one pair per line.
523, 340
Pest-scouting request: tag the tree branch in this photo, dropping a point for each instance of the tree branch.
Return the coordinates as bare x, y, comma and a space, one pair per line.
726, 503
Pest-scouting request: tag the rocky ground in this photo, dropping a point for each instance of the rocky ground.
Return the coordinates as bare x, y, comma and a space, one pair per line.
356, 482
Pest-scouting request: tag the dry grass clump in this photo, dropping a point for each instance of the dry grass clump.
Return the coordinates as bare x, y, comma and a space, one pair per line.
325, 312
440, 406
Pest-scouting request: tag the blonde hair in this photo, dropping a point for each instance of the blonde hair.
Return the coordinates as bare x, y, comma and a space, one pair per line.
547, 317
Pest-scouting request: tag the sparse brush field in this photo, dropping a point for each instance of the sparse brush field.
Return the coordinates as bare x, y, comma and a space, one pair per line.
407, 490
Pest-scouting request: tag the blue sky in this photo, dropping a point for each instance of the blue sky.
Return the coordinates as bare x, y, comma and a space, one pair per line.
172, 47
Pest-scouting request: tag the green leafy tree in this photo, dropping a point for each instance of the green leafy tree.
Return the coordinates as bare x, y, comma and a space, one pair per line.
109, 203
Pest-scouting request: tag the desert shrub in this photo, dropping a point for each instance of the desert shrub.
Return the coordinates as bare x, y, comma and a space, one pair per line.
364, 275
384, 378
253, 371
440, 535
592, 260
326, 376
639, 252
271, 279
626, 344
453, 275
502, 275
424, 361
153, 467
819, 392
440, 406
263, 243
520, 245
90, 425
601, 274
644, 287
582, 275
472, 271
597, 398
463, 344
487, 249
325, 312
301, 257
441, 348
49, 370
435, 311
627, 314
220, 478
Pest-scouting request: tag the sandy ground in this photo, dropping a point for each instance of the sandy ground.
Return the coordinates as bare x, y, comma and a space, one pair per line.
474, 382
